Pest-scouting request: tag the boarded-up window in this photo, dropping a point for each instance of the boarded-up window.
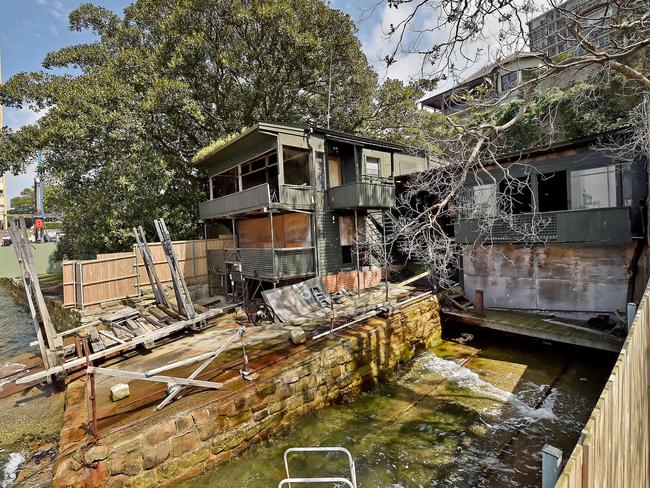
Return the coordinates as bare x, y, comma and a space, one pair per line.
296, 166
290, 230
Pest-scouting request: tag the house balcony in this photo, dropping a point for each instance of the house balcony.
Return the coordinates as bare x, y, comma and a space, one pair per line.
379, 193
597, 225
260, 198
266, 263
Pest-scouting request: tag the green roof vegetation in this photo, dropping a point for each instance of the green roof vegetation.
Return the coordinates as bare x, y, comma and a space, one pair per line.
209, 150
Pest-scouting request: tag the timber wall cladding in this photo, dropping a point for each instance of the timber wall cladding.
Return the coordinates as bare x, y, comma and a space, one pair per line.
122, 275
549, 277
614, 447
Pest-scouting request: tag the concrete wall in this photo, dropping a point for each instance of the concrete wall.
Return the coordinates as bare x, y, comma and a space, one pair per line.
552, 277
42, 258
186, 444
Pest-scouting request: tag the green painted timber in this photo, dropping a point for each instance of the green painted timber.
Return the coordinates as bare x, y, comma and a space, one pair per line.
257, 198
361, 195
595, 225
42, 259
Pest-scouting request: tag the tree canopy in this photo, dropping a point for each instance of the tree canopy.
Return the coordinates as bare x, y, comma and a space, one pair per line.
166, 79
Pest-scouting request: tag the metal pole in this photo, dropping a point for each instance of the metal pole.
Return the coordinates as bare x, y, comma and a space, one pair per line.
272, 244
631, 312
551, 465
356, 239
383, 228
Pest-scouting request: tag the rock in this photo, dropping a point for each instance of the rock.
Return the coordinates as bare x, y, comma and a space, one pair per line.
153, 456
96, 453
119, 392
298, 335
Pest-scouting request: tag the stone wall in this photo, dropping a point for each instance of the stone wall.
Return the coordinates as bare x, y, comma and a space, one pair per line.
203, 436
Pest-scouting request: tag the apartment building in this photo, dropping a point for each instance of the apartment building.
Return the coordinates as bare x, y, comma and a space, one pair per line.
549, 32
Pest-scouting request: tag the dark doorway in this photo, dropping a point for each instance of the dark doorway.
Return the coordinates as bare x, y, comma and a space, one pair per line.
552, 191
518, 196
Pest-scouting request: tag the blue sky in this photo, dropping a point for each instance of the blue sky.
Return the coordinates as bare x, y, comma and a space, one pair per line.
29, 29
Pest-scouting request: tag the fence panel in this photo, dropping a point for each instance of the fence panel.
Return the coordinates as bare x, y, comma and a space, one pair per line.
122, 275
614, 448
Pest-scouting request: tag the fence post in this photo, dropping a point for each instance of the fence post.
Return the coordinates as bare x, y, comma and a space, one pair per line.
551, 465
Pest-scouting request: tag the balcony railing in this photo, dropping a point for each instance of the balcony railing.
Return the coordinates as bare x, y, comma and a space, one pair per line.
597, 225
362, 194
266, 263
257, 198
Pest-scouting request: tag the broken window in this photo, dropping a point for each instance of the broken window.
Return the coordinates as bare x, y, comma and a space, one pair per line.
347, 238
259, 171
225, 183
296, 166
593, 188
552, 191
508, 81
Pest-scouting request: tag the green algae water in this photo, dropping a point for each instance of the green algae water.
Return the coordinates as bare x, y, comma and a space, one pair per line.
16, 328
475, 411
16, 332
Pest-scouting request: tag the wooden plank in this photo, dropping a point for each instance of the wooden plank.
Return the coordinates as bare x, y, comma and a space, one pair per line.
152, 336
134, 375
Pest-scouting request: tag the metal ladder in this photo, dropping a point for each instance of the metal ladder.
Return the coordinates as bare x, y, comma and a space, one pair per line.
350, 482
320, 297
149, 266
183, 299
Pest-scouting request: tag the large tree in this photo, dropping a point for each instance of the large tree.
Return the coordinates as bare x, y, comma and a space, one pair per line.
166, 78
453, 38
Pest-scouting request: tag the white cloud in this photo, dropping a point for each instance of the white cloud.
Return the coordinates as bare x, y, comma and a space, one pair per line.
15, 118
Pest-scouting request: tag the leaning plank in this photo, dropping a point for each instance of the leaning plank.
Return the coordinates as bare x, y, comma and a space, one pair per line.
153, 336
110, 337
134, 375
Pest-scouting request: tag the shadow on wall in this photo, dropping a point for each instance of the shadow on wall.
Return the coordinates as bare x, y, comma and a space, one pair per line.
43, 259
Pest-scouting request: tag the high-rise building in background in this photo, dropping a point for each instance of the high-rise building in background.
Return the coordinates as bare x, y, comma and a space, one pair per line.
549, 32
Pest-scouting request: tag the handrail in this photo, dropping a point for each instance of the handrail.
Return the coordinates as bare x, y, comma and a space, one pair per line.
315, 480
353, 474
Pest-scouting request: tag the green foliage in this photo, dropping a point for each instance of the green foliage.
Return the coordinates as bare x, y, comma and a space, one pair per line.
25, 202
163, 81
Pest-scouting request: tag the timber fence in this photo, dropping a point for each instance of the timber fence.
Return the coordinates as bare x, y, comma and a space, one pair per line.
613, 449
123, 275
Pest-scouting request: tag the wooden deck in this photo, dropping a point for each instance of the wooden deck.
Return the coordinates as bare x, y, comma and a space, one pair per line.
533, 325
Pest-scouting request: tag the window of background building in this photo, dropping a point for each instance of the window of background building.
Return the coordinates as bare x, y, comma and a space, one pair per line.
593, 188
296, 166
508, 81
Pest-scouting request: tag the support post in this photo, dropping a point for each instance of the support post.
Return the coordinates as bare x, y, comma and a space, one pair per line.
385, 246
356, 240
272, 244
551, 465
479, 306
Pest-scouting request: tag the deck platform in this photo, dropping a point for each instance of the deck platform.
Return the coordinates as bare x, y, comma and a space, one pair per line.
534, 325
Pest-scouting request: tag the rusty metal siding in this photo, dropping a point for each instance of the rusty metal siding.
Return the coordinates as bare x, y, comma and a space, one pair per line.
551, 277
